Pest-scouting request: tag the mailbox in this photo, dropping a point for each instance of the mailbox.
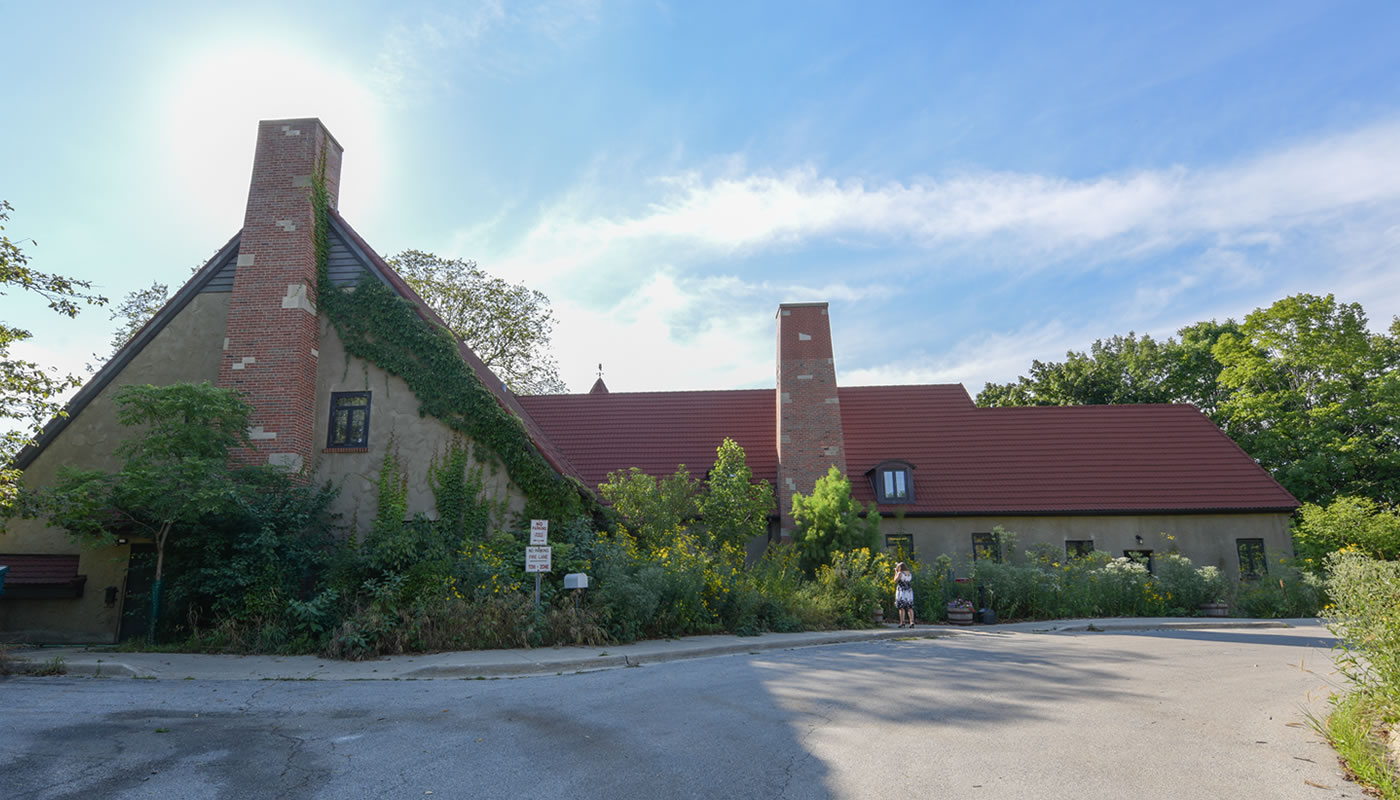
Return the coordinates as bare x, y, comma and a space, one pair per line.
576, 580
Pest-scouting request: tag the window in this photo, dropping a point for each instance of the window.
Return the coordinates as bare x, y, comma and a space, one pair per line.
1078, 548
1252, 563
349, 420
893, 482
985, 547
900, 546
1143, 557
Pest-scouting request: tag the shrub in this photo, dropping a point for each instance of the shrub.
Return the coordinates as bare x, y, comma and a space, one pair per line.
1365, 616
855, 583
1357, 522
1285, 592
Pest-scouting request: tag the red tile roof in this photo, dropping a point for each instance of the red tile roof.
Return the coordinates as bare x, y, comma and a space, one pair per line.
655, 431
968, 460
1083, 459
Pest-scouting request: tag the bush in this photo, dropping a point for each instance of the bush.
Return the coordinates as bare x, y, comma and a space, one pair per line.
1365, 616
1285, 592
1355, 522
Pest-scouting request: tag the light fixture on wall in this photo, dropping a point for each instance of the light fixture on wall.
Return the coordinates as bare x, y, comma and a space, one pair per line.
1139, 539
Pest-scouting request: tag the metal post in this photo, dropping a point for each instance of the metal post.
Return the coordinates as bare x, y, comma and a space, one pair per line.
537, 590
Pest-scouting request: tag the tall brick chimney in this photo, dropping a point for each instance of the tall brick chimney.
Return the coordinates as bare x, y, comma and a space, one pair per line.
271, 341
810, 439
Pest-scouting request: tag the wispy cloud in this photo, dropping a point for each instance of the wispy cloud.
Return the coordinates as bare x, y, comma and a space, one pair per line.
1177, 239
1015, 215
419, 59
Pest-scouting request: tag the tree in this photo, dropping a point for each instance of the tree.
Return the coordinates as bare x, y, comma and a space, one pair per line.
650, 507
1123, 369
733, 507
135, 310
175, 471
728, 508
1315, 398
507, 325
27, 390
830, 521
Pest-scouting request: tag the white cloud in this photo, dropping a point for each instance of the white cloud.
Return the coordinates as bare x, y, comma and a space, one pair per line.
1229, 237
1024, 218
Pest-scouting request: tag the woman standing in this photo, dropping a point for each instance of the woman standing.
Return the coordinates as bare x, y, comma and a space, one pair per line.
904, 594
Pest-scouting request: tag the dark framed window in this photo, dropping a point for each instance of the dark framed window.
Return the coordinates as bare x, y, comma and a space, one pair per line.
1078, 548
985, 547
893, 482
1252, 563
1143, 557
900, 545
349, 420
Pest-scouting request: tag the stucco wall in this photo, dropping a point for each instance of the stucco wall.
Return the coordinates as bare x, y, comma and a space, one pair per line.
187, 349
394, 418
1206, 539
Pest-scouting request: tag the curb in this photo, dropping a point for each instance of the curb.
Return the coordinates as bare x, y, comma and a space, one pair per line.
22, 664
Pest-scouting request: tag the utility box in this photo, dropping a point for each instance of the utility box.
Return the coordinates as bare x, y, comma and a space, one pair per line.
576, 580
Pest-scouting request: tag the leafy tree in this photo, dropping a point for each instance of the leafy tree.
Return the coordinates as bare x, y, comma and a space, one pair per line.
651, 507
1356, 523
733, 507
27, 390
135, 310
1315, 397
830, 521
1123, 369
175, 472
507, 325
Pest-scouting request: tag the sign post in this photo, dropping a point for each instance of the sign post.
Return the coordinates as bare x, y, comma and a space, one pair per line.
537, 555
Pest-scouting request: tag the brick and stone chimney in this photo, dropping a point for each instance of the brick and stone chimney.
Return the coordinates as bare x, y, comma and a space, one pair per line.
271, 341
810, 439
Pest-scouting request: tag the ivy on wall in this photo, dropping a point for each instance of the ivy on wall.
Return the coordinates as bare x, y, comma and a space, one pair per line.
379, 326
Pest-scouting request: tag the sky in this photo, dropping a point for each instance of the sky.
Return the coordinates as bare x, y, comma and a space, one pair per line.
969, 185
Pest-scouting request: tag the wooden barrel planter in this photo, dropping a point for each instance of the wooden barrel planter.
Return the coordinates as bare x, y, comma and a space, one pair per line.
959, 616
1215, 610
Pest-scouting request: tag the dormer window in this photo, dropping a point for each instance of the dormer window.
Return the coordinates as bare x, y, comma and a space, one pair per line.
893, 482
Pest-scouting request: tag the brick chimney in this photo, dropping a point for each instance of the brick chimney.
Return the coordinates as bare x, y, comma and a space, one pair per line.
810, 439
271, 341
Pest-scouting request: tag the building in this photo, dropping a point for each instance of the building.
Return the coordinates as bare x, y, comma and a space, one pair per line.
942, 471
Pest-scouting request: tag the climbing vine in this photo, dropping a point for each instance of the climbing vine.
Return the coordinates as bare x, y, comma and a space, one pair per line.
379, 326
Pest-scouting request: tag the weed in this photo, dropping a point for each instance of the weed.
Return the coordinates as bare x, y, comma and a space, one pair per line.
54, 666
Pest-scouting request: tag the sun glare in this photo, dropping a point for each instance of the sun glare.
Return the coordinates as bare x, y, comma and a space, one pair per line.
216, 101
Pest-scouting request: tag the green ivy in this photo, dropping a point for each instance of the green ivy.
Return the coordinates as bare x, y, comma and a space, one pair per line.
379, 326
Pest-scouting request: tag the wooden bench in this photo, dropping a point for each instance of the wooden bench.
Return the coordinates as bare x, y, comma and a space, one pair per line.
41, 576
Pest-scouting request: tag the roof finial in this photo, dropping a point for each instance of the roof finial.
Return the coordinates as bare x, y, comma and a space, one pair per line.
600, 370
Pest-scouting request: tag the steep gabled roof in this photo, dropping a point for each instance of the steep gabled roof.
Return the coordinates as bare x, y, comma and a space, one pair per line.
349, 260
556, 458
967, 460
656, 431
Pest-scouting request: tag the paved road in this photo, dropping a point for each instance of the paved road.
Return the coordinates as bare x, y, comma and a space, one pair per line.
1166, 714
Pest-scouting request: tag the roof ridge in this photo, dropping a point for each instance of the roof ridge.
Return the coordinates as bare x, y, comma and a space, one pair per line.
504, 396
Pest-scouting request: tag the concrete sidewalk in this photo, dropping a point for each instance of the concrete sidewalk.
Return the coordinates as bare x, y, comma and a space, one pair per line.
107, 662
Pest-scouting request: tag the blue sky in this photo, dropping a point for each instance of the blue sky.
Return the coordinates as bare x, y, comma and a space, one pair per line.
970, 186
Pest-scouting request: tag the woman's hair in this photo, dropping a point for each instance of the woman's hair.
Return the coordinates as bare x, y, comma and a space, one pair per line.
899, 566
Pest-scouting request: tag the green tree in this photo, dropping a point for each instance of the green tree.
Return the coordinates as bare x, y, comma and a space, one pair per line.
1123, 369
507, 325
135, 310
175, 470
1358, 523
830, 521
733, 507
1314, 397
651, 507
27, 390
